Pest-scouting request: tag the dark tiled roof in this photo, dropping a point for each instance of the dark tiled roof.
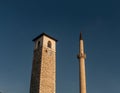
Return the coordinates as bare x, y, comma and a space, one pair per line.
45, 35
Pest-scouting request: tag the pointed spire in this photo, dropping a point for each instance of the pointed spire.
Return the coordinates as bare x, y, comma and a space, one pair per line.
81, 36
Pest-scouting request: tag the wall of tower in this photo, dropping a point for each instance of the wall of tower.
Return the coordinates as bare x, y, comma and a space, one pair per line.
53, 46
43, 78
47, 77
36, 69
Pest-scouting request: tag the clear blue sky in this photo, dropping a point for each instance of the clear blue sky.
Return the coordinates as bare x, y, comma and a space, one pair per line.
99, 21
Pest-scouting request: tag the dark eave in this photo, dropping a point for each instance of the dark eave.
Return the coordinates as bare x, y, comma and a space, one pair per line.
44, 35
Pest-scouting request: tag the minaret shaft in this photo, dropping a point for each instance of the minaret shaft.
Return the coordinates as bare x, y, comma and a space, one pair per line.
81, 47
82, 57
82, 76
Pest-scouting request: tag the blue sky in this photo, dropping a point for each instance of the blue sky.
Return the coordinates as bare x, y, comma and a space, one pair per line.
99, 21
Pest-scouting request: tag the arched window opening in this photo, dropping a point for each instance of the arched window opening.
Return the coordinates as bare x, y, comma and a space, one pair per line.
49, 44
39, 44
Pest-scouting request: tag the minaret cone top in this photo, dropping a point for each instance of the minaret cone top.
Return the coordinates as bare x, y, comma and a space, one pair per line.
81, 36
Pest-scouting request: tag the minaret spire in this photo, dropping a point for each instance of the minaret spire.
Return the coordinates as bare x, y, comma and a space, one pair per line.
81, 57
81, 36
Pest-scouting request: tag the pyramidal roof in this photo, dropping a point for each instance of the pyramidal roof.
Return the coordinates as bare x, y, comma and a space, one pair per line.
43, 34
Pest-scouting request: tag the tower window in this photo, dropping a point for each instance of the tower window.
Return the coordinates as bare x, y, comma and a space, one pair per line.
49, 44
38, 44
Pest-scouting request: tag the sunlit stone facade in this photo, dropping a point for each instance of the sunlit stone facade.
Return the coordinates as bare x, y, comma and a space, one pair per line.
43, 76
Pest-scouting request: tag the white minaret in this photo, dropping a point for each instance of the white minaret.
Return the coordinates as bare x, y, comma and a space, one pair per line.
81, 57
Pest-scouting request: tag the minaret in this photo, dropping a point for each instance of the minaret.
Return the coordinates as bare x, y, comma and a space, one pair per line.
43, 76
81, 57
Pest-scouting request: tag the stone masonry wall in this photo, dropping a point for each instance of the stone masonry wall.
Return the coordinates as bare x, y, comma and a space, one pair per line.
48, 70
36, 67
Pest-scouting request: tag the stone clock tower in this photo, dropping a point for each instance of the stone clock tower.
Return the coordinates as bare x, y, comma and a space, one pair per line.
43, 76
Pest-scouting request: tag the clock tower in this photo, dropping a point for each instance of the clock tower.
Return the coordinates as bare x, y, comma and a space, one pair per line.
43, 76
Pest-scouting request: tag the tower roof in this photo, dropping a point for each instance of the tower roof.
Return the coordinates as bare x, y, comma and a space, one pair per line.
44, 35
